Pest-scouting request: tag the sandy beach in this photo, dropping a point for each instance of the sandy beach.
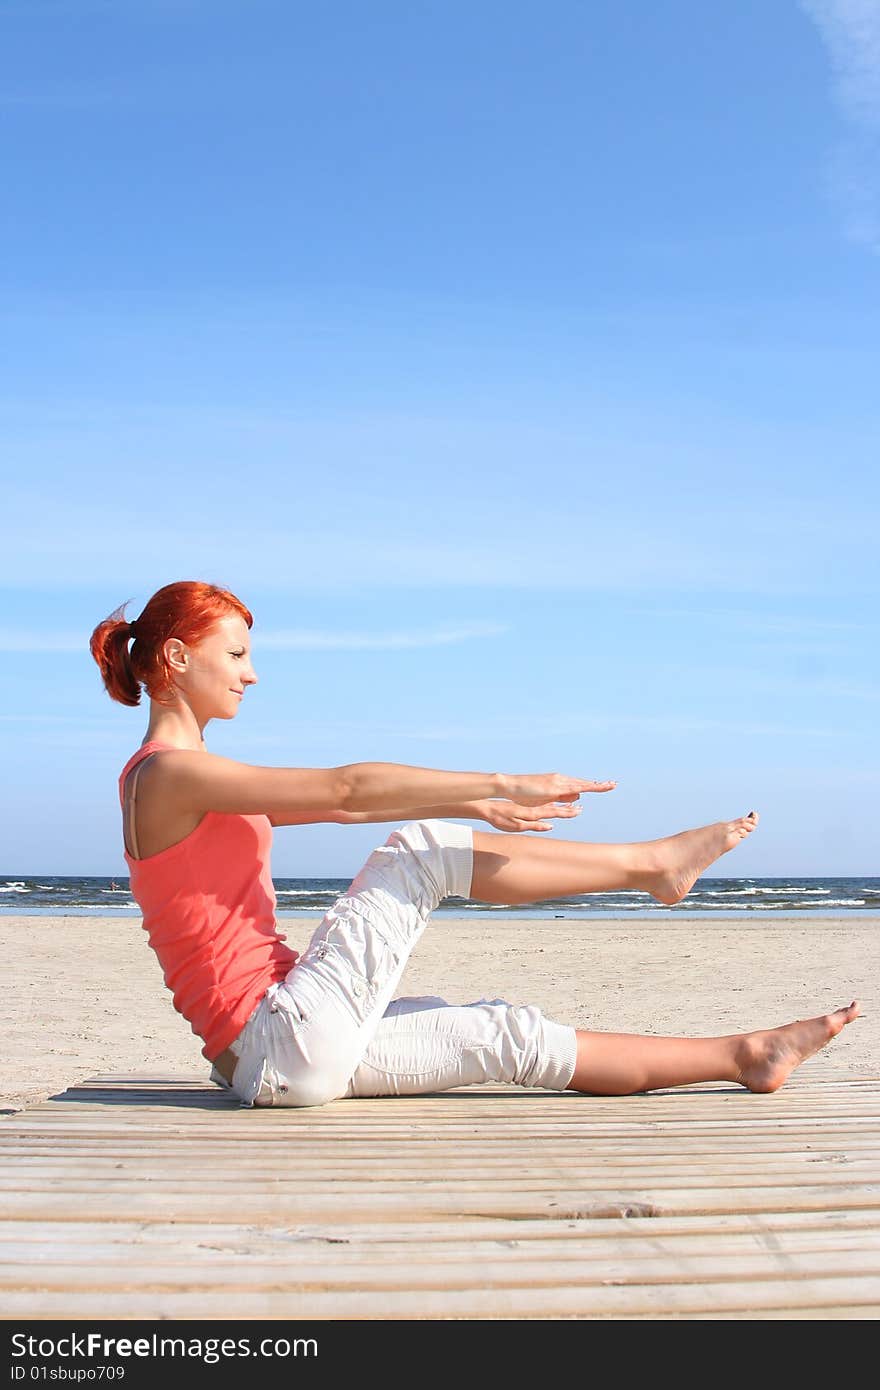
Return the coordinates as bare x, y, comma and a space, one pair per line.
85, 996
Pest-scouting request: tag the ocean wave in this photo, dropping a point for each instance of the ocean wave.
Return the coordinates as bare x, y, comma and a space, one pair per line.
748, 892
844, 902
619, 893
786, 905
307, 893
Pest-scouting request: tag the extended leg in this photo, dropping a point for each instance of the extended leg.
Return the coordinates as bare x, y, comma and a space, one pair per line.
424, 1045
521, 869
617, 1064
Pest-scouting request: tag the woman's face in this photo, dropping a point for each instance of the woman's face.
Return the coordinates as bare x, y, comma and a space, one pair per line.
217, 671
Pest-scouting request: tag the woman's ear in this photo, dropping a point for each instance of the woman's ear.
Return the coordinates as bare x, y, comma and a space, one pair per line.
176, 653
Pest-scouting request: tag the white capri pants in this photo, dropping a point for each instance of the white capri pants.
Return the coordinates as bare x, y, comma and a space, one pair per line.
332, 1030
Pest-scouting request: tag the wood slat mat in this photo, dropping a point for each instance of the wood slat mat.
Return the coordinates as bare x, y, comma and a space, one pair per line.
160, 1197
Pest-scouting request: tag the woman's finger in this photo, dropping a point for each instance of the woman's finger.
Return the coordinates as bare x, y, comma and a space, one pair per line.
552, 808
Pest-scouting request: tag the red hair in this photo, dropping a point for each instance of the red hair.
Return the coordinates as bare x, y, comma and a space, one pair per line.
187, 610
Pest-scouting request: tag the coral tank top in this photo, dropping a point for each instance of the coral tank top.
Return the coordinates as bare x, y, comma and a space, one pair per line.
208, 905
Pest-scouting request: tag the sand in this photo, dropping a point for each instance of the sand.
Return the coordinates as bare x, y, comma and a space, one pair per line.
84, 996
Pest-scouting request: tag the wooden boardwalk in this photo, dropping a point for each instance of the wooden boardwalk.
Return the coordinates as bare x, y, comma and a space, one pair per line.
150, 1197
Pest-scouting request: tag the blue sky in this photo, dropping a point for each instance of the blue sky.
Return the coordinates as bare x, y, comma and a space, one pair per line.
517, 366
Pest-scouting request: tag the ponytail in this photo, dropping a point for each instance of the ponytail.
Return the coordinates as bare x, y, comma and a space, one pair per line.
109, 646
131, 655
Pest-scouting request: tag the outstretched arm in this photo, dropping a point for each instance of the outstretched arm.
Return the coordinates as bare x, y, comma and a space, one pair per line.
502, 813
462, 810
204, 782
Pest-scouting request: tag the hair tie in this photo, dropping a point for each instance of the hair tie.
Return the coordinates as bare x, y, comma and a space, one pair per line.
131, 630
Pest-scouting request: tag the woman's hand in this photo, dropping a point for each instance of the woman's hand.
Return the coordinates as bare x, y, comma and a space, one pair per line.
512, 816
538, 789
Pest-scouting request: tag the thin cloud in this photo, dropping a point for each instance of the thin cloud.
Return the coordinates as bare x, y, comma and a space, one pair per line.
574, 725
528, 726
42, 641
759, 622
77, 719
850, 30
847, 690
303, 640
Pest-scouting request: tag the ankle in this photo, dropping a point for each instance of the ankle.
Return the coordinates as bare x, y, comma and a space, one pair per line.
647, 864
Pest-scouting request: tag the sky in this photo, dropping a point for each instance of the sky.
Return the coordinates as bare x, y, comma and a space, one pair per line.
515, 364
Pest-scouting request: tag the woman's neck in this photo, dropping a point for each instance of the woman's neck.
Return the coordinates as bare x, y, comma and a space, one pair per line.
177, 727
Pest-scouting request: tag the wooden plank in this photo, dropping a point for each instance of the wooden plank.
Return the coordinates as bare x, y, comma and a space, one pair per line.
516, 1163
485, 1140
396, 1205
401, 1164
515, 1270
835, 1314
25, 1261
317, 1149
562, 1301
337, 1118
421, 1185
761, 1227
353, 1268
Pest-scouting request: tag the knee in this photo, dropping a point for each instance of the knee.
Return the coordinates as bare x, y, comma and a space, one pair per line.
440, 855
316, 1086
311, 1071
414, 835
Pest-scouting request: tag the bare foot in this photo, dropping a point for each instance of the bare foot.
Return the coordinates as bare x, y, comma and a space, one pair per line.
764, 1060
678, 861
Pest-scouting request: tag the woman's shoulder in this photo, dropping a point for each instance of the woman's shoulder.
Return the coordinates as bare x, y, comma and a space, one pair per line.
173, 766
174, 796
197, 781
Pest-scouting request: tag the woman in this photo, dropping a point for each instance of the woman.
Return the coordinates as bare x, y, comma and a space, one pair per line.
285, 1029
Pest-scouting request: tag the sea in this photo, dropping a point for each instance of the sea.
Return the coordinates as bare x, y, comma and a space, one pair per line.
50, 896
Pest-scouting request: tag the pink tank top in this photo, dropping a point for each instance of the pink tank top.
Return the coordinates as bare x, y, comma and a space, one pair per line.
208, 905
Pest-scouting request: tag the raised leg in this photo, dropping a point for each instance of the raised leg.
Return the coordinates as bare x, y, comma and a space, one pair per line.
521, 869
618, 1064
